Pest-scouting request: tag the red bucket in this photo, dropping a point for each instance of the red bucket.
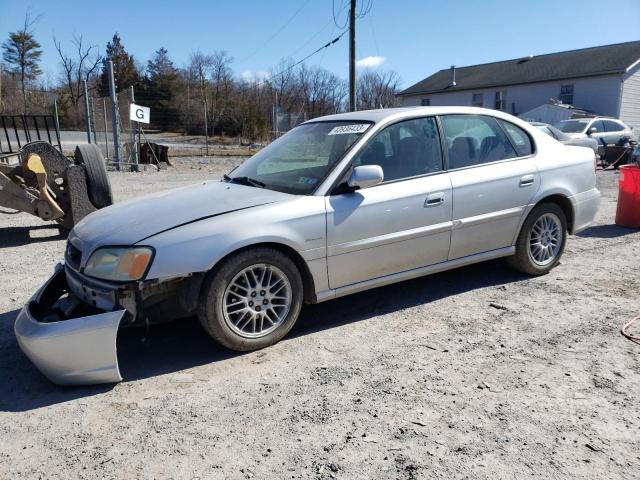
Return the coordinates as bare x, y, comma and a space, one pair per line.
628, 211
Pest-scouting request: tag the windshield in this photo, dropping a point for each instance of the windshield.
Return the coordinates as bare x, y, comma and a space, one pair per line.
300, 160
572, 126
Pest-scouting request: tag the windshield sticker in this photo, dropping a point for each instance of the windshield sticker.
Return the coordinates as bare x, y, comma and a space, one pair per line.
307, 180
341, 130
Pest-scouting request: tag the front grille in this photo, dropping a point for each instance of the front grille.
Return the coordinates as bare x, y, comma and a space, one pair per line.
72, 257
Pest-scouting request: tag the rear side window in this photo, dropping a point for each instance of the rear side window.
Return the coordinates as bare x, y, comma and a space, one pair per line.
519, 138
474, 140
611, 126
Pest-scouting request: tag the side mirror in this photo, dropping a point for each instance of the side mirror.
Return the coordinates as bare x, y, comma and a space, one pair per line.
366, 176
592, 130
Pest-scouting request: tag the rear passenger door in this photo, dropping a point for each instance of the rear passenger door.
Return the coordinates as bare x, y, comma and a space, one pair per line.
613, 131
493, 178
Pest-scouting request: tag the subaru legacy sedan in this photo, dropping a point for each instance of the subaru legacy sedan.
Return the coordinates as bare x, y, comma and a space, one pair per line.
340, 204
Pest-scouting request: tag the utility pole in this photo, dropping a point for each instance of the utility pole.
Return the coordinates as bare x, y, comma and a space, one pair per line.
115, 116
352, 57
135, 128
87, 113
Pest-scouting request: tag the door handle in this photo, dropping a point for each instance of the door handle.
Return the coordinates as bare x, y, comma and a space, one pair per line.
434, 199
526, 181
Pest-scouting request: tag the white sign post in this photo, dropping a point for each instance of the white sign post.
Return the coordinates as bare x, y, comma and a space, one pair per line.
138, 113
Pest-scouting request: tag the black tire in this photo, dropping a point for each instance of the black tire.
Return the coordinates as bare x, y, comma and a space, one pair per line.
99, 189
524, 260
217, 285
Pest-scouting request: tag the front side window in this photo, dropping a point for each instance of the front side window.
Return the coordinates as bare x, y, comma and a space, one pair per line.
404, 149
477, 100
519, 138
474, 140
598, 125
300, 160
566, 94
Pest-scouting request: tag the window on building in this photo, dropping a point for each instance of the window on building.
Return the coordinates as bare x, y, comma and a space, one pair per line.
425, 102
566, 94
501, 100
474, 140
477, 100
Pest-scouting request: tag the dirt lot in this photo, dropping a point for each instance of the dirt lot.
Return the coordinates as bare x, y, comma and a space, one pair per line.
474, 373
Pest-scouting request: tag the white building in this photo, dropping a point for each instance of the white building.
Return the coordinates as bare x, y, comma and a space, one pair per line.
603, 80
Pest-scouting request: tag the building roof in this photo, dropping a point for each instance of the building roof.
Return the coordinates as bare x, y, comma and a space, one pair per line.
586, 62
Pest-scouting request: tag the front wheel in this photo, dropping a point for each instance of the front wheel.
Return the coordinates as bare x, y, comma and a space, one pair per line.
252, 299
541, 240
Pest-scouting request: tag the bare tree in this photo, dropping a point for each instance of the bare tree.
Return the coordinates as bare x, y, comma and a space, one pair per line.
221, 79
78, 68
378, 89
200, 65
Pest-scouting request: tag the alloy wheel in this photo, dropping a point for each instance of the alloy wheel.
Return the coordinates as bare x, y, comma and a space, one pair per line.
257, 300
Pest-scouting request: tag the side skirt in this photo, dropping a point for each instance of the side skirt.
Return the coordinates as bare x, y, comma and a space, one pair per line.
415, 273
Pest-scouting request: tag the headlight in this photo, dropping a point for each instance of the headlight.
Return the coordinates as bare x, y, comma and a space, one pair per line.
119, 264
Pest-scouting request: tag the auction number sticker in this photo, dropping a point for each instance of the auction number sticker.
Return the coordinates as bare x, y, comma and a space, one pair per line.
344, 129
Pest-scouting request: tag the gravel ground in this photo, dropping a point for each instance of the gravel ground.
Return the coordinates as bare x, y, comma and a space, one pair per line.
473, 373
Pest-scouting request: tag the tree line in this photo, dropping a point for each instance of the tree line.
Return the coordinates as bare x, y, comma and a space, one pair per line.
206, 92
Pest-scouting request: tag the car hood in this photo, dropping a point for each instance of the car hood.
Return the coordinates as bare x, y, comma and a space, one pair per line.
129, 222
575, 135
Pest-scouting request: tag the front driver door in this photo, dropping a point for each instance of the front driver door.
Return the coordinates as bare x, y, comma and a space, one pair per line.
401, 224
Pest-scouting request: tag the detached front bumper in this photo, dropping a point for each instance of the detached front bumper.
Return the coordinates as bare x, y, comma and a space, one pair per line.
78, 350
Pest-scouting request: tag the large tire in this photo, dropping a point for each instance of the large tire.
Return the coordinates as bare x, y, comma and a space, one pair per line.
99, 189
251, 316
541, 240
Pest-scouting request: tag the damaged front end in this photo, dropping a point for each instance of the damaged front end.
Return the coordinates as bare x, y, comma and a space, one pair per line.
69, 327
70, 341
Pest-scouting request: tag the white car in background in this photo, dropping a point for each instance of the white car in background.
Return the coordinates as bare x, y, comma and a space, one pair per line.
338, 205
565, 139
602, 129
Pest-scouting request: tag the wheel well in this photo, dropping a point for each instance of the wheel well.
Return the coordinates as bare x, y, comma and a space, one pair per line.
307, 279
565, 204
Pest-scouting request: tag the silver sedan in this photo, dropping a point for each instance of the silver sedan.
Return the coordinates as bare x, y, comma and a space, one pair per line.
338, 205
565, 139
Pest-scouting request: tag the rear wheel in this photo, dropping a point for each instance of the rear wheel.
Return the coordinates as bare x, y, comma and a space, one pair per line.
99, 189
252, 299
541, 240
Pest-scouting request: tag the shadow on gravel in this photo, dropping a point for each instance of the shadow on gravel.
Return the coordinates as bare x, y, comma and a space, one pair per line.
183, 344
607, 231
18, 236
22, 386
392, 298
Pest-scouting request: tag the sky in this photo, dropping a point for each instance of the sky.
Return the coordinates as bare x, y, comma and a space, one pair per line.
413, 37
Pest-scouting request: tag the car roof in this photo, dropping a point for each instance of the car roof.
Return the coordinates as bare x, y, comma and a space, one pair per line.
379, 115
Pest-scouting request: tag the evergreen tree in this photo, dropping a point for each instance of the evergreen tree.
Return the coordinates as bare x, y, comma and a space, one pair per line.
124, 68
22, 54
161, 86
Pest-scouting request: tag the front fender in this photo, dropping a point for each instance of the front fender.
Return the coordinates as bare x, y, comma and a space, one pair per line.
197, 247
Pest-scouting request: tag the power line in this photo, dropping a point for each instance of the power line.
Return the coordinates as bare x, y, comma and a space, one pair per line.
286, 24
340, 10
364, 10
327, 45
